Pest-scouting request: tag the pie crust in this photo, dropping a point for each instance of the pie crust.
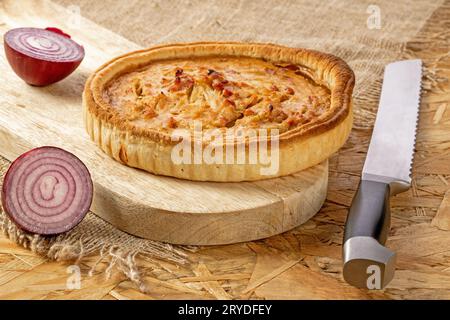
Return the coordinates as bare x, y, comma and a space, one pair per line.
147, 142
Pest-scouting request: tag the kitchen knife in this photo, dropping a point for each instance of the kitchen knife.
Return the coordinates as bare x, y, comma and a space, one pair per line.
386, 172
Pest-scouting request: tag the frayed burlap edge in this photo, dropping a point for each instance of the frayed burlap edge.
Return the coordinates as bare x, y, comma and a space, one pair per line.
119, 250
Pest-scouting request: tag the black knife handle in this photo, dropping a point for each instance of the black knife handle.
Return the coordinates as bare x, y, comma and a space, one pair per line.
369, 214
367, 263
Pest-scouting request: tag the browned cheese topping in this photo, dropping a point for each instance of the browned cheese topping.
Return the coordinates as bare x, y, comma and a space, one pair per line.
220, 93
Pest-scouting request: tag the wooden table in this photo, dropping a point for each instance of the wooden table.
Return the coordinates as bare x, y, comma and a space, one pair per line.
306, 262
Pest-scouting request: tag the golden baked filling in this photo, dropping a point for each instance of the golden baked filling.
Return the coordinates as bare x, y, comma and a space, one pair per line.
221, 92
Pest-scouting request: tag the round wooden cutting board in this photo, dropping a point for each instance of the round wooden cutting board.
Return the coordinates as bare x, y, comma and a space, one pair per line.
207, 213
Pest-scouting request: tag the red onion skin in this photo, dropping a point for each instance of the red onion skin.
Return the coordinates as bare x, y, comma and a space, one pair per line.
56, 30
4, 194
38, 72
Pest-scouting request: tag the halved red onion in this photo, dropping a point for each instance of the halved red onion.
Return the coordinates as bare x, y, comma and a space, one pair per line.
47, 191
42, 56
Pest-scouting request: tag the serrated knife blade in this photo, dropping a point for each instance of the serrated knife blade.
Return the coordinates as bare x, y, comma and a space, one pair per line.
391, 148
387, 171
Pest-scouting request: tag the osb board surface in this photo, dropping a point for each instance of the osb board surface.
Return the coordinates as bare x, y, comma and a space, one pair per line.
304, 263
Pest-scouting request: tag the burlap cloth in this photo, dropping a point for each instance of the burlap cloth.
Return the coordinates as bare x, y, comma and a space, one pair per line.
347, 29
